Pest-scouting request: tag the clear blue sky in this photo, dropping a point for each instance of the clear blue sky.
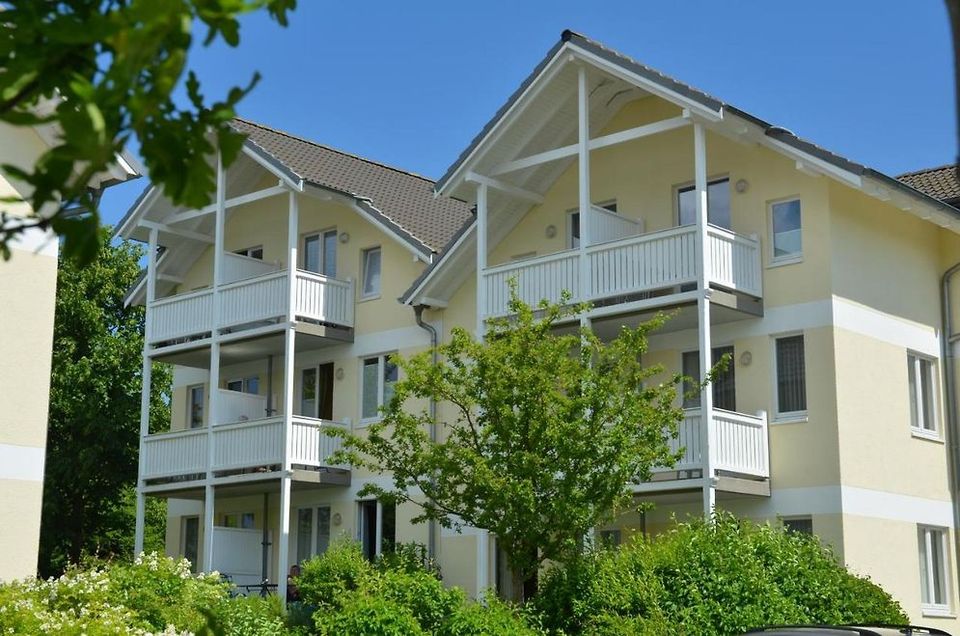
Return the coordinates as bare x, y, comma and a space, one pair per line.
411, 83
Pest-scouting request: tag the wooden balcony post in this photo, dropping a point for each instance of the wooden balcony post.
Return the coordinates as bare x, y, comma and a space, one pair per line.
703, 310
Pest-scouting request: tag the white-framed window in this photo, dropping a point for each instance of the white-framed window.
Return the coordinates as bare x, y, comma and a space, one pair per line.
251, 252
921, 374
244, 520
934, 588
791, 380
718, 203
573, 222
316, 391
724, 385
245, 385
786, 235
320, 252
195, 405
371, 273
799, 525
377, 526
610, 538
379, 375
313, 532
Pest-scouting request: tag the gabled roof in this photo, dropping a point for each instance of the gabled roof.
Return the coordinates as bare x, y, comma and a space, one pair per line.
941, 182
403, 199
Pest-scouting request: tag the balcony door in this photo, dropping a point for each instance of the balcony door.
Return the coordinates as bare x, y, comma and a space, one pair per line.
320, 253
316, 392
718, 204
724, 383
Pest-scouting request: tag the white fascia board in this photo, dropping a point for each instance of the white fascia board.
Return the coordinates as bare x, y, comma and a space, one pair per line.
296, 184
133, 219
416, 297
549, 71
844, 176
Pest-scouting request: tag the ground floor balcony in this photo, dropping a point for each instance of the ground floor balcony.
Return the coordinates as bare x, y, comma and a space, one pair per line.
741, 454
256, 294
650, 269
244, 447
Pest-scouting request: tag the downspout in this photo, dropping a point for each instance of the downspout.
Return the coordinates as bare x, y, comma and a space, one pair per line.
431, 524
950, 396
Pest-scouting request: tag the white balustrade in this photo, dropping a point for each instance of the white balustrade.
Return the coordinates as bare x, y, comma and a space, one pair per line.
254, 299
610, 226
741, 444
734, 261
324, 299
181, 315
537, 279
643, 263
237, 267
174, 453
235, 406
248, 444
309, 443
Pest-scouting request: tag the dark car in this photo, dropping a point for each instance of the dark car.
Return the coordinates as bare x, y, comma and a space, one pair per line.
847, 630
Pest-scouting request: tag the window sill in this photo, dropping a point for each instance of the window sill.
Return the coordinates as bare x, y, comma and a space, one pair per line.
792, 260
930, 436
364, 299
790, 418
937, 612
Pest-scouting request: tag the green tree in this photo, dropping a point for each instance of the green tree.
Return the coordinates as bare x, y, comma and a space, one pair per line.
102, 71
545, 432
93, 436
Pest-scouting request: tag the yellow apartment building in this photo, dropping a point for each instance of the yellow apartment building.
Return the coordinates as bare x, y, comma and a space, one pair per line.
829, 283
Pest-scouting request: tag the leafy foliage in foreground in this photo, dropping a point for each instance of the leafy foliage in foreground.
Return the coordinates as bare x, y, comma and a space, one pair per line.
720, 578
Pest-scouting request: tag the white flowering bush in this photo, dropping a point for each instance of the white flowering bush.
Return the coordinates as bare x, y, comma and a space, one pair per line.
153, 595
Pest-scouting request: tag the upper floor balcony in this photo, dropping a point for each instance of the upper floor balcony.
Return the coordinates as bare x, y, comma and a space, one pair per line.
253, 293
624, 265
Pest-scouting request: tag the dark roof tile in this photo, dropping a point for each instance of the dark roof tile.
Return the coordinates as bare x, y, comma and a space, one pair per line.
940, 183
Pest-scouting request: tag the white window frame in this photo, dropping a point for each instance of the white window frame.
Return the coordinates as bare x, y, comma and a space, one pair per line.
224, 523
363, 273
314, 529
786, 520
194, 565
914, 362
244, 384
378, 530
303, 249
926, 535
791, 259
606, 205
247, 252
381, 364
688, 185
203, 405
788, 417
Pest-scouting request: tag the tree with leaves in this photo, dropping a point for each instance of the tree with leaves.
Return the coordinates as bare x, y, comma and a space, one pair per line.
102, 71
94, 422
544, 432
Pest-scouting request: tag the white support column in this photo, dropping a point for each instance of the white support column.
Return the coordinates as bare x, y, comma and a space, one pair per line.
214, 384
583, 169
703, 310
289, 351
483, 570
146, 386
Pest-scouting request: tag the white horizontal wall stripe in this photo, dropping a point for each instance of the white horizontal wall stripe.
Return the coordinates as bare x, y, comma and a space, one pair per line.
23, 463
862, 502
836, 312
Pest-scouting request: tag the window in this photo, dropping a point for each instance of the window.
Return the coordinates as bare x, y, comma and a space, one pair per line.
378, 528
610, 538
791, 377
313, 532
245, 385
371, 273
923, 414
190, 541
195, 405
573, 222
723, 385
785, 231
316, 392
251, 252
933, 568
243, 520
379, 376
799, 525
320, 253
718, 204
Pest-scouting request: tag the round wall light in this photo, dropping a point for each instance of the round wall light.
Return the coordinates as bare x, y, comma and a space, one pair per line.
551, 231
340, 373
344, 237
742, 185
336, 519
746, 358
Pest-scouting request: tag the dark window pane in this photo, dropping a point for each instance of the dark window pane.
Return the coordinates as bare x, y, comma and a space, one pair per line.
323, 529
311, 253
718, 204
723, 386
791, 375
388, 529
786, 229
308, 393
330, 253
800, 526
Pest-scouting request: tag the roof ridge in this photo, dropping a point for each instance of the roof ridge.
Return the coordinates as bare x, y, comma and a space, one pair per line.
926, 170
336, 150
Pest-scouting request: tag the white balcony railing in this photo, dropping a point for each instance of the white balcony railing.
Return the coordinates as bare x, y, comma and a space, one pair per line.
239, 445
236, 406
631, 265
741, 443
252, 300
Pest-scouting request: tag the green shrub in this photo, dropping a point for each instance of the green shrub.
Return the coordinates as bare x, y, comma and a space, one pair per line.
721, 578
421, 593
367, 615
252, 616
491, 618
325, 580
